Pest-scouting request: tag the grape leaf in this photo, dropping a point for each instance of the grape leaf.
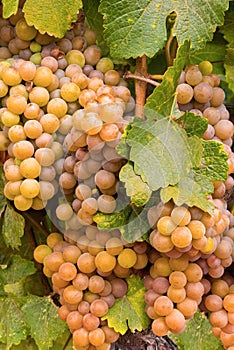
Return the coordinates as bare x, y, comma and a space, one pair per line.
95, 21
42, 318
28, 344
13, 327
197, 335
195, 144
160, 152
161, 102
213, 51
136, 189
12, 276
214, 161
3, 200
193, 124
52, 17
13, 227
10, 7
132, 221
137, 226
190, 190
114, 220
227, 30
229, 65
129, 311
134, 28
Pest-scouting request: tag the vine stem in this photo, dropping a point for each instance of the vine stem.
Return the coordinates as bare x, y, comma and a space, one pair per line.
140, 86
35, 223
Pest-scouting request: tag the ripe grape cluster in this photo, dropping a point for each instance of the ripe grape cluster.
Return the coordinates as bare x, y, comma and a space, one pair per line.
63, 110
89, 274
192, 250
199, 92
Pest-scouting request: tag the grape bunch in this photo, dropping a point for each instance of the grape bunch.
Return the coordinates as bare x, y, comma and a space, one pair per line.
89, 275
199, 92
58, 103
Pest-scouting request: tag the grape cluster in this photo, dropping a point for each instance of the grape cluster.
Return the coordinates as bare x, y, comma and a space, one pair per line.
89, 275
189, 250
199, 92
62, 115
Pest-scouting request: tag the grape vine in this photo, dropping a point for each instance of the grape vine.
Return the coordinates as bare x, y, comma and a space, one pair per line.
116, 177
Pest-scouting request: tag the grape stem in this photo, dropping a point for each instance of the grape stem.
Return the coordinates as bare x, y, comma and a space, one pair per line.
129, 75
35, 223
156, 76
67, 341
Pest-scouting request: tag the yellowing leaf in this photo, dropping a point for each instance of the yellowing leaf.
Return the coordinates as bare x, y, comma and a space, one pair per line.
13, 228
10, 7
129, 311
42, 318
13, 327
52, 17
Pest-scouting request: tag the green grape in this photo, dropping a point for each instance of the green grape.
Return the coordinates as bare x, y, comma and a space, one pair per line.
35, 47
24, 31
36, 58
75, 57
105, 64
205, 67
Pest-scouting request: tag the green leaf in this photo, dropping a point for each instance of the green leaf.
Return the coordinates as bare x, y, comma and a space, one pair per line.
28, 344
12, 275
161, 102
214, 161
10, 7
197, 335
13, 228
227, 30
229, 66
129, 311
196, 150
191, 190
42, 318
95, 21
137, 226
214, 51
114, 220
52, 17
134, 28
122, 147
136, 189
159, 151
193, 124
3, 200
198, 20
132, 221
13, 327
